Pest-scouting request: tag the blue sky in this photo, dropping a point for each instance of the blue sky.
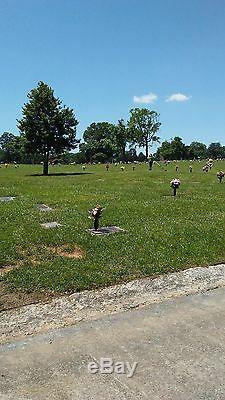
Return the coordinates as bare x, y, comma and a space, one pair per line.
100, 55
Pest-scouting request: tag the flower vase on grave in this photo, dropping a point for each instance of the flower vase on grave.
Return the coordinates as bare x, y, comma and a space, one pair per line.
175, 183
220, 176
150, 163
96, 213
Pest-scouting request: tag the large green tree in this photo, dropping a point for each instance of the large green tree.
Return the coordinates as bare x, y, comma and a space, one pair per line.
121, 138
143, 127
48, 127
215, 150
7, 140
99, 142
179, 150
165, 151
13, 148
173, 150
197, 150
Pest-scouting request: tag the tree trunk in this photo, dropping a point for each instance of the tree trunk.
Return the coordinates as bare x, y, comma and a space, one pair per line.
146, 147
150, 164
123, 154
45, 165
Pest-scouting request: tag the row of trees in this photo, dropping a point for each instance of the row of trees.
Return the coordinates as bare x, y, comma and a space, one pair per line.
175, 149
103, 149
104, 141
48, 132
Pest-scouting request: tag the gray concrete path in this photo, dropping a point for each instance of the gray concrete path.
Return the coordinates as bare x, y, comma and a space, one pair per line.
179, 346
93, 304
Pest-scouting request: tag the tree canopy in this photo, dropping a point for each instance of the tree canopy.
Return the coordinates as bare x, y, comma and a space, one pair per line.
99, 142
143, 127
215, 150
47, 127
198, 150
13, 148
175, 149
48, 134
121, 138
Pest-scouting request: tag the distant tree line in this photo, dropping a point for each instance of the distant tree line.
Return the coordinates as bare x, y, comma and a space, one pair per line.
175, 149
103, 142
48, 134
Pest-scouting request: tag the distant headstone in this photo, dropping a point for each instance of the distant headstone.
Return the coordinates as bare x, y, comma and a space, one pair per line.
106, 230
48, 225
43, 207
7, 198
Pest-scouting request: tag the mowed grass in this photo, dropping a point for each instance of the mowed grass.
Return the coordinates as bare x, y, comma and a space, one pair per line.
162, 233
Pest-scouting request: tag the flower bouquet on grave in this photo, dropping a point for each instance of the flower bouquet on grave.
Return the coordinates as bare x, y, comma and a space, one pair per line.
220, 175
95, 214
175, 183
205, 168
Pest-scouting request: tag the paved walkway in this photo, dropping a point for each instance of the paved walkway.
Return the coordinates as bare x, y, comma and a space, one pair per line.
93, 304
179, 346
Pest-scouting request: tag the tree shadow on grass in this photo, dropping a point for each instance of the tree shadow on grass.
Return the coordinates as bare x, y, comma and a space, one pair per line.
63, 174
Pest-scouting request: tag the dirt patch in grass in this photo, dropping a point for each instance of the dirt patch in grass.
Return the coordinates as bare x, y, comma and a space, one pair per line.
18, 298
28, 255
7, 268
4, 269
63, 251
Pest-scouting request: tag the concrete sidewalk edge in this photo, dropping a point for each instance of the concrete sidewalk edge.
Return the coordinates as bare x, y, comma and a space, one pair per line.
88, 305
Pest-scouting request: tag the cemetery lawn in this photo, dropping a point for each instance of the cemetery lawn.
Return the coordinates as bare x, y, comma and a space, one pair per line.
161, 233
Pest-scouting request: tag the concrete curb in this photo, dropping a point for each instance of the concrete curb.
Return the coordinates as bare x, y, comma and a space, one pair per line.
87, 305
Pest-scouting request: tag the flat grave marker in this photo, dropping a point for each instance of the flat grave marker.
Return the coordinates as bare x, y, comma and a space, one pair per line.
44, 207
49, 225
105, 230
7, 199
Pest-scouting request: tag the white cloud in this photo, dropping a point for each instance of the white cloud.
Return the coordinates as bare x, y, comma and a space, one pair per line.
179, 97
145, 98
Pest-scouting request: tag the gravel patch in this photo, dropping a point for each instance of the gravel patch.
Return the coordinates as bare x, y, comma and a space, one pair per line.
87, 305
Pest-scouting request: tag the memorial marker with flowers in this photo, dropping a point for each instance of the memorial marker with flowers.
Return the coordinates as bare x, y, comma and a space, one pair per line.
96, 214
220, 175
175, 183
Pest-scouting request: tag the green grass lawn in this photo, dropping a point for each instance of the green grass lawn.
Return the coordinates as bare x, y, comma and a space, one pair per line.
162, 233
